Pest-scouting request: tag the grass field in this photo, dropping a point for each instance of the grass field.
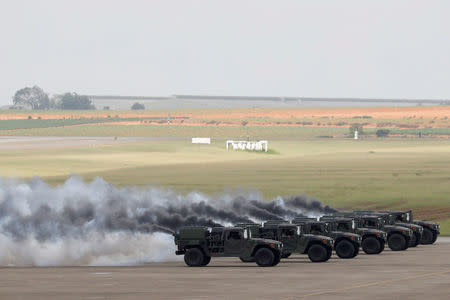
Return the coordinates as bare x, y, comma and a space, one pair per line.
253, 123
379, 174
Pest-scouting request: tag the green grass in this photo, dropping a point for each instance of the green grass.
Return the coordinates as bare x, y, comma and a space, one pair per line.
254, 132
346, 174
44, 123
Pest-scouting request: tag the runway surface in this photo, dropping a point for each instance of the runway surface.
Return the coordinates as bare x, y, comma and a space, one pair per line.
418, 273
40, 142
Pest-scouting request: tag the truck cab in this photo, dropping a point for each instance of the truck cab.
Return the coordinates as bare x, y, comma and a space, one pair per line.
429, 230
317, 247
398, 237
346, 244
198, 244
373, 240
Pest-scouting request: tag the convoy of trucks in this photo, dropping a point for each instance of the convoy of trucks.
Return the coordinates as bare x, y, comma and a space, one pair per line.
269, 242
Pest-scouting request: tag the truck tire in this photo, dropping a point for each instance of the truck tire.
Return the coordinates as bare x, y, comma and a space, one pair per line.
277, 258
397, 242
194, 257
206, 260
344, 249
246, 260
329, 252
318, 253
265, 257
371, 245
382, 246
285, 255
435, 235
355, 254
428, 237
415, 241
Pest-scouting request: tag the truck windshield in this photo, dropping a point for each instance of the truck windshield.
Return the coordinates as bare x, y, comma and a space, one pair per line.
344, 226
288, 232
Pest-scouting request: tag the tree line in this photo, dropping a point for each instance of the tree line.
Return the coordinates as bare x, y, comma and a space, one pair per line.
36, 98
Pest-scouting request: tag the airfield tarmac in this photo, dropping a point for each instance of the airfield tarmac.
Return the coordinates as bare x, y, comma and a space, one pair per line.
418, 273
41, 142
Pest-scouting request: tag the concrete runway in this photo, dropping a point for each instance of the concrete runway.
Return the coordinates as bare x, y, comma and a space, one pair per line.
418, 273
43, 142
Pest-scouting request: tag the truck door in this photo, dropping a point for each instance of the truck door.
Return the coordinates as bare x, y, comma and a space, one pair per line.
288, 237
234, 241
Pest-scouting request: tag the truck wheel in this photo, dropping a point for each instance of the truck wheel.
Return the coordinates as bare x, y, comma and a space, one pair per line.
371, 245
194, 257
415, 241
382, 243
344, 249
285, 255
329, 252
246, 260
206, 260
427, 237
264, 257
397, 242
434, 237
277, 258
318, 253
356, 251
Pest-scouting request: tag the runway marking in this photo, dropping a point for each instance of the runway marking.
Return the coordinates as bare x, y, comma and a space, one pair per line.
383, 282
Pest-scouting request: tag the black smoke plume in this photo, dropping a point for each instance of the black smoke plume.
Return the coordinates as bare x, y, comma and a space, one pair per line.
96, 222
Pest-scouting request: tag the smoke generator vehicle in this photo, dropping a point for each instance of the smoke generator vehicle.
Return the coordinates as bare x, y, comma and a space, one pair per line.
398, 237
318, 247
373, 240
346, 244
198, 244
430, 229
391, 219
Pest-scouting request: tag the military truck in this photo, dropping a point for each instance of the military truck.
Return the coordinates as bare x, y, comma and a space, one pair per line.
391, 219
198, 244
373, 240
430, 229
346, 244
398, 237
318, 248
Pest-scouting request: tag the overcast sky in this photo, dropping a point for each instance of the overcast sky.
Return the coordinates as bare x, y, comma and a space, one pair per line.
311, 48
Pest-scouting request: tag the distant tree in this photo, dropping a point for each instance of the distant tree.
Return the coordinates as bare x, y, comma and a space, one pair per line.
33, 97
356, 127
75, 101
137, 106
382, 132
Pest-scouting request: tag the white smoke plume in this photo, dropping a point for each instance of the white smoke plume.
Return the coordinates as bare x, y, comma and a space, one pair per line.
96, 223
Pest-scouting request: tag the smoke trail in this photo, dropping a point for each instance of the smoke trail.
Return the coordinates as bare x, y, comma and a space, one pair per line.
98, 223
309, 204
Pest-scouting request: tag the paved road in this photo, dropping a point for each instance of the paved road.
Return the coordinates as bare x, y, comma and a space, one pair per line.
36, 142
418, 273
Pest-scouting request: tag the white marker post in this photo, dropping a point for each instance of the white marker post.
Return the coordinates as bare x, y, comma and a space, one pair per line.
356, 134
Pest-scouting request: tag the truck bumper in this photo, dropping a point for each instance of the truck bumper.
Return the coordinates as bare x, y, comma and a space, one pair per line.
180, 252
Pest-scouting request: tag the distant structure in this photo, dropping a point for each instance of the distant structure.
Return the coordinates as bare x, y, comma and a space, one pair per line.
248, 145
198, 140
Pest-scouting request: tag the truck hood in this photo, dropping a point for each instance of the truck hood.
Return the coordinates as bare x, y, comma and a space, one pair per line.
322, 238
353, 236
428, 224
267, 241
414, 227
